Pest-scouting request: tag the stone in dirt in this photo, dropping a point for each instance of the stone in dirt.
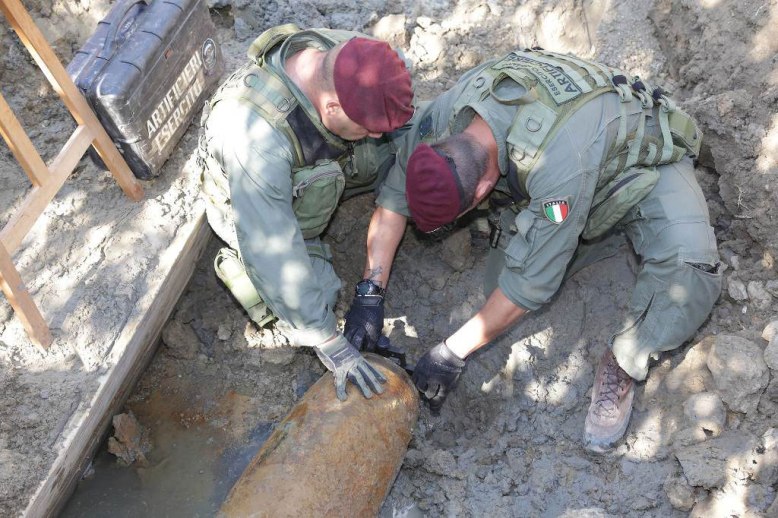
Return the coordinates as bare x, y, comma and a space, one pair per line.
770, 330
710, 464
706, 413
679, 492
757, 292
456, 250
767, 463
130, 442
771, 353
737, 289
181, 340
739, 371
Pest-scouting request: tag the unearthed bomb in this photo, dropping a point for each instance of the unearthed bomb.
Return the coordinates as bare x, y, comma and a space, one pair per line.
331, 458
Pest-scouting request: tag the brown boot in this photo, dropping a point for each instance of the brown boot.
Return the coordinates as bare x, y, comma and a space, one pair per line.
611, 405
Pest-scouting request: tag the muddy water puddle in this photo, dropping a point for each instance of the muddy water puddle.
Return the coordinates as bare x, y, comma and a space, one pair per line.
202, 437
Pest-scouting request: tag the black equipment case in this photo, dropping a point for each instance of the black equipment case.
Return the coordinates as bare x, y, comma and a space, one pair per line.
146, 71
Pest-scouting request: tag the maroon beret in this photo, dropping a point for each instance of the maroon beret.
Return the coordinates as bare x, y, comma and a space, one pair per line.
373, 85
434, 193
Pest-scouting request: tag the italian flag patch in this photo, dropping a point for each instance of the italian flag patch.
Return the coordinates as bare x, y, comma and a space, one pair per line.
556, 210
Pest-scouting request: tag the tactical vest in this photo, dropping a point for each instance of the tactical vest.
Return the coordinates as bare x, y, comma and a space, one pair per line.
556, 86
318, 187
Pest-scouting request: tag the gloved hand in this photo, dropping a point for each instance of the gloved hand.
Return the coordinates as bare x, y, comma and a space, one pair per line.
345, 362
436, 375
364, 321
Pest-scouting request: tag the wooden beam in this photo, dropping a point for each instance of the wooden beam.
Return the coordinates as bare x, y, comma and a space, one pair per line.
134, 348
21, 146
48, 62
38, 198
26, 310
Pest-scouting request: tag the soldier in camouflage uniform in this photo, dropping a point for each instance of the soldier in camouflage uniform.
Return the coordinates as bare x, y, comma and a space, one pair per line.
568, 151
287, 137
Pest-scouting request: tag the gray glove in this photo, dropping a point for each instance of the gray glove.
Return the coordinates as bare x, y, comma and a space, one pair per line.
345, 362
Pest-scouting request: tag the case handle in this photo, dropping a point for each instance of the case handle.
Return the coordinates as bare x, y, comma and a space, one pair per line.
115, 18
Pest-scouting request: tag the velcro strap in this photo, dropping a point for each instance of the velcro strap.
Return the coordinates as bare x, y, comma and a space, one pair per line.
269, 39
267, 92
667, 138
529, 129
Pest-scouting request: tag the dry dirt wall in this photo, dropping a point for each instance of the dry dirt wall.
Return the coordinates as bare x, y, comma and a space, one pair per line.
725, 55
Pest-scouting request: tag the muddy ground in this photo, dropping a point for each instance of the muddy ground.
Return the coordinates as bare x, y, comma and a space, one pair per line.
703, 436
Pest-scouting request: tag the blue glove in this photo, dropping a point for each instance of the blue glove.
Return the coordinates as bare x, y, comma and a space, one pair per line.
345, 362
437, 374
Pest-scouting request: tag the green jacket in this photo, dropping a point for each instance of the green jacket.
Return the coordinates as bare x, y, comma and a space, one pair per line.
569, 135
277, 174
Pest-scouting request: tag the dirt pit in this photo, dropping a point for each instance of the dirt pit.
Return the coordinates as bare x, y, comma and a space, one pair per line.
508, 441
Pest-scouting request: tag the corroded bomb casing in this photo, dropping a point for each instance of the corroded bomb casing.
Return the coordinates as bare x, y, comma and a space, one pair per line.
331, 457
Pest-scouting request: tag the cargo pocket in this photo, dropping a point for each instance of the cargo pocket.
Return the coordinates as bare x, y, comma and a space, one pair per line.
511, 242
617, 197
230, 269
520, 242
316, 191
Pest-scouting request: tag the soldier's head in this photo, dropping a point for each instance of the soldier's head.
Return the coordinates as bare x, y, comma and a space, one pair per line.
371, 89
446, 180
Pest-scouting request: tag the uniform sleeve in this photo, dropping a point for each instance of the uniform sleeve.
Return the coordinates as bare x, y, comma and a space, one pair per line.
259, 160
391, 194
537, 256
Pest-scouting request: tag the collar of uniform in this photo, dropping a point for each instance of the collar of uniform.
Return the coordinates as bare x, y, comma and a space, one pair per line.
277, 59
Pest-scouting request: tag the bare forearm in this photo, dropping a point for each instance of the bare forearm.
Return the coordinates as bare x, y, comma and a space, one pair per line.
383, 237
494, 318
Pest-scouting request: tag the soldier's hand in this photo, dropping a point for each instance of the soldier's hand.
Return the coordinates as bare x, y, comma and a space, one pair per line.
437, 374
345, 362
364, 321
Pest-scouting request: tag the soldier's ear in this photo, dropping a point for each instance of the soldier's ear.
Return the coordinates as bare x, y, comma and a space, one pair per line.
332, 107
484, 187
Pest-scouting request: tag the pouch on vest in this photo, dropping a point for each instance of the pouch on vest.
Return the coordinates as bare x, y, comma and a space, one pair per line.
528, 132
685, 132
614, 200
316, 191
368, 165
230, 269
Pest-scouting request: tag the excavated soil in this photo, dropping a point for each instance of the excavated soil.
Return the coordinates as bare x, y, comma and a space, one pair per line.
703, 439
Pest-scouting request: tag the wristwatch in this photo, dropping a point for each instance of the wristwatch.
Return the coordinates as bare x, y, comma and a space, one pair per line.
367, 287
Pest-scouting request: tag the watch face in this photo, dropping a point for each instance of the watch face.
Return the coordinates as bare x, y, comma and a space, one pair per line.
367, 288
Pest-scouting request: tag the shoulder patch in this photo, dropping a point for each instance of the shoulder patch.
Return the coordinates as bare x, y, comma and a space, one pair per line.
556, 210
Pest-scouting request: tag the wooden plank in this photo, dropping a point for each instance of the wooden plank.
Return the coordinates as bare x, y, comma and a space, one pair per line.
134, 347
48, 62
23, 305
21, 146
39, 197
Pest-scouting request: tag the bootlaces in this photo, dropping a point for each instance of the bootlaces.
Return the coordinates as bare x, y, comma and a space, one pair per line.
612, 386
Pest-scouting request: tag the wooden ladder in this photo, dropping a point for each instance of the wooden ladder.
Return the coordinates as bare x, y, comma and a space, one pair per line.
47, 180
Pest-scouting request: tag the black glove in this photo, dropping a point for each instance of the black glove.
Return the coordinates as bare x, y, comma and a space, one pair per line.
365, 320
345, 362
436, 375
